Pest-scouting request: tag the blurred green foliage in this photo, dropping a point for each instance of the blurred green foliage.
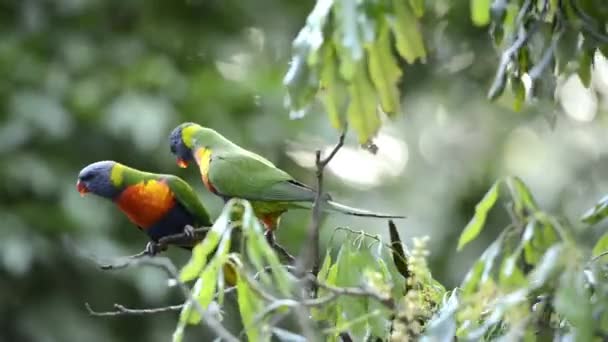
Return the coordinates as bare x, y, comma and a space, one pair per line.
86, 80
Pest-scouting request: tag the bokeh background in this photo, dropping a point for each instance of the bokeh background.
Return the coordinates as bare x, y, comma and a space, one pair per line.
88, 80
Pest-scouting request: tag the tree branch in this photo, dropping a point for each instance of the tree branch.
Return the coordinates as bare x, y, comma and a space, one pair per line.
121, 310
309, 257
165, 264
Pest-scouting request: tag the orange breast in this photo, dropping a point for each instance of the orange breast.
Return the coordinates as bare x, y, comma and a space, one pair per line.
146, 203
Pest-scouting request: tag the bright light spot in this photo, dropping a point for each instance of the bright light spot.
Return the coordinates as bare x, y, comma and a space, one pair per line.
577, 101
600, 73
360, 167
236, 67
303, 158
524, 152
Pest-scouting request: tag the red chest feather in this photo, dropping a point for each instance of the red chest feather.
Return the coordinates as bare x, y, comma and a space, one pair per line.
146, 203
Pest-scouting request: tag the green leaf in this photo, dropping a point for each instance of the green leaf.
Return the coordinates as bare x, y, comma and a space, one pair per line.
519, 91
399, 258
524, 201
404, 25
543, 237
601, 245
597, 213
572, 300
548, 266
201, 252
362, 113
585, 60
347, 36
442, 326
476, 224
302, 83
480, 12
249, 306
384, 71
418, 7
333, 89
471, 280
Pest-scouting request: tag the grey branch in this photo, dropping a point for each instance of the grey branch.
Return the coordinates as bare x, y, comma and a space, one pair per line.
121, 310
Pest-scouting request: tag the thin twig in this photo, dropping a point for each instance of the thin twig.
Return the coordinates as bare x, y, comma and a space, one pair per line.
385, 300
597, 257
166, 265
121, 310
309, 257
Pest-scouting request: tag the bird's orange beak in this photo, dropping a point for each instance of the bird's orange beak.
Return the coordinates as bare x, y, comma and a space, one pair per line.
182, 163
81, 188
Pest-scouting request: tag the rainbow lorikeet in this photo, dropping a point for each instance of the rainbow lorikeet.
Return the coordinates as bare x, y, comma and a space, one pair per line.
157, 204
229, 170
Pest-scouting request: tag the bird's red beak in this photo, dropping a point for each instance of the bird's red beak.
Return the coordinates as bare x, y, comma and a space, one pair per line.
81, 188
182, 163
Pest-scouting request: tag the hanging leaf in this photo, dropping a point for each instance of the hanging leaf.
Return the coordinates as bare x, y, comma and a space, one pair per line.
201, 252
601, 245
404, 25
398, 254
418, 7
302, 83
334, 89
524, 201
597, 213
585, 59
480, 12
250, 304
384, 71
572, 301
442, 326
519, 91
476, 224
362, 114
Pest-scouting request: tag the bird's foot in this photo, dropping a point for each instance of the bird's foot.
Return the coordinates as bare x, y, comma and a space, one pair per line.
269, 234
152, 249
189, 232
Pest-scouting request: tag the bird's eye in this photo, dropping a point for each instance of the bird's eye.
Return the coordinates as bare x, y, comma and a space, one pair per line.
172, 148
87, 176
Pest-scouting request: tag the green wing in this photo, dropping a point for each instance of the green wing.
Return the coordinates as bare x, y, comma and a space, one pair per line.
186, 196
246, 175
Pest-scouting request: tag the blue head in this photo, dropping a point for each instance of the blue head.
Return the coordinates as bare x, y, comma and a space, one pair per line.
97, 179
178, 145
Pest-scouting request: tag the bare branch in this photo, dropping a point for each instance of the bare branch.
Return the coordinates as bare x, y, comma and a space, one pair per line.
309, 257
121, 310
166, 265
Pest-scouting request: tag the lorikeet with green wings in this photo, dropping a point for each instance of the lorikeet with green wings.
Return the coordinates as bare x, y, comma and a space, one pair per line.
229, 170
157, 204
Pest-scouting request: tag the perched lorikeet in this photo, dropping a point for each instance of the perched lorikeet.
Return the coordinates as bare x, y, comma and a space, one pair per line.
158, 204
229, 170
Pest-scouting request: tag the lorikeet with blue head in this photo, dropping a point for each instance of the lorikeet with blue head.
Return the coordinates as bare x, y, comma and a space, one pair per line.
158, 204
229, 170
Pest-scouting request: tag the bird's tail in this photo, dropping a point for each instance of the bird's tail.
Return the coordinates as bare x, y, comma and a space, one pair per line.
341, 208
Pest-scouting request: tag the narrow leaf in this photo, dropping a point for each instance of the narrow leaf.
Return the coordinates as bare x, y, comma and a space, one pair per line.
597, 213
418, 7
384, 71
404, 25
362, 114
601, 245
398, 254
476, 224
480, 12
334, 96
249, 306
